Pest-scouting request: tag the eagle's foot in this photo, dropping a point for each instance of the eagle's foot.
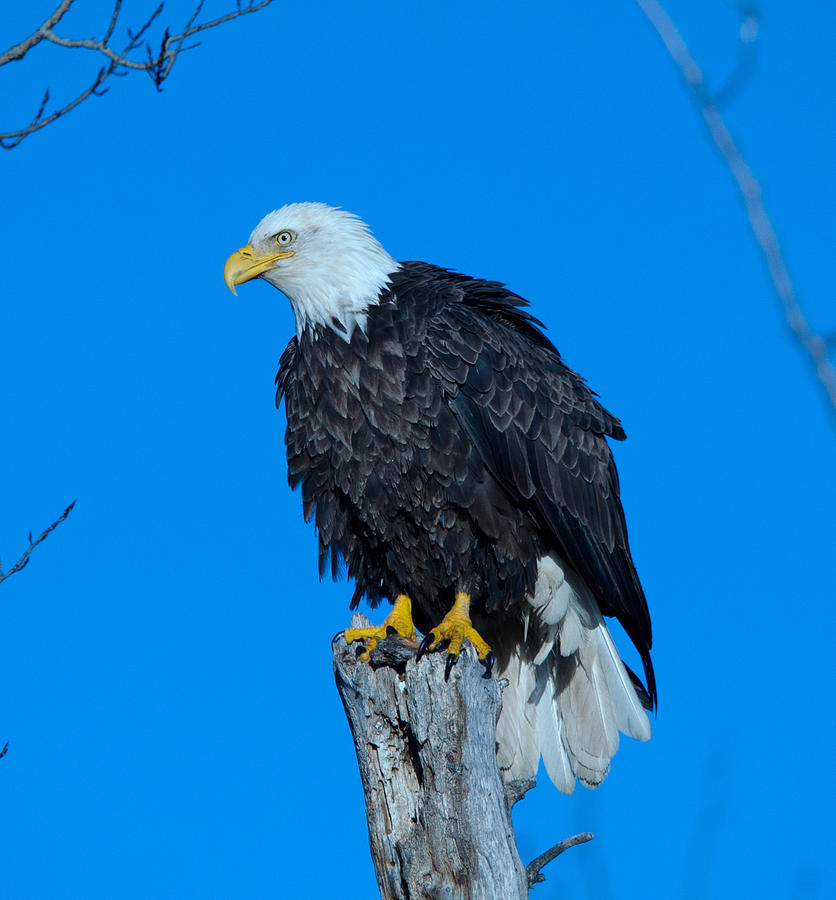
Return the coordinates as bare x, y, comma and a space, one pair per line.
451, 633
399, 621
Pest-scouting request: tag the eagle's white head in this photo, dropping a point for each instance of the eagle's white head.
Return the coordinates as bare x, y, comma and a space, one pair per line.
325, 260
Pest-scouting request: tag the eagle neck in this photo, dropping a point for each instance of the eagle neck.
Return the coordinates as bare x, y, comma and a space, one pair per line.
341, 303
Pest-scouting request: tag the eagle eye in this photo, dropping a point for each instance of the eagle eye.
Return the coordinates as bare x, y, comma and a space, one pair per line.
283, 238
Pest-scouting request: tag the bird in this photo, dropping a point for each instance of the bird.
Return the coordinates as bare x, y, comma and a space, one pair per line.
458, 469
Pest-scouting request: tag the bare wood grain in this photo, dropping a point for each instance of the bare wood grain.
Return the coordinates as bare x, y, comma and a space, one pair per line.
439, 822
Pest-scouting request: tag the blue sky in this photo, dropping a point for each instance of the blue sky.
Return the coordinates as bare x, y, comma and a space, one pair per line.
167, 692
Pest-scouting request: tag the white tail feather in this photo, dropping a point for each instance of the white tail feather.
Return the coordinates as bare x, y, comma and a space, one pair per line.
518, 748
547, 643
569, 693
571, 633
550, 738
631, 718
551, 595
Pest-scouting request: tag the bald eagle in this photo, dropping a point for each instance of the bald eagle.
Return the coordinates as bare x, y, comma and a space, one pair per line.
460, 470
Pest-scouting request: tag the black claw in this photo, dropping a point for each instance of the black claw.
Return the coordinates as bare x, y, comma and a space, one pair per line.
443, 645
337, 636
425, 644
390, 630
452, 659
487, 662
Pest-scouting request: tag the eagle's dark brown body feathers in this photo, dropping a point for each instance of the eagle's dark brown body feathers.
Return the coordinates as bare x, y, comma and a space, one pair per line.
447, 447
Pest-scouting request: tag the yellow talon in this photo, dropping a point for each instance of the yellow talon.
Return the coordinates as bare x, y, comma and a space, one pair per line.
399, 621
456, 628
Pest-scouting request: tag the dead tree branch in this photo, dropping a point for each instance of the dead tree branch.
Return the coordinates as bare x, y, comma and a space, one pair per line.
535, 876
157, 63
23, 562
814, 345
439, 815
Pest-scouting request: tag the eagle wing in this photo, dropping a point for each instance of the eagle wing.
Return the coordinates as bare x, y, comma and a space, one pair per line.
542, 433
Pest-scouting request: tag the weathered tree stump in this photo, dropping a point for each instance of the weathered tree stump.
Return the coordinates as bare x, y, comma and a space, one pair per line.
438, 813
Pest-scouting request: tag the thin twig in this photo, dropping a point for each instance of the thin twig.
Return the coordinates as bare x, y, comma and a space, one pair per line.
120, 59
20, 50
13, 138
113, 17
23, 562
747, 45
533, 868
813, 344
157, 65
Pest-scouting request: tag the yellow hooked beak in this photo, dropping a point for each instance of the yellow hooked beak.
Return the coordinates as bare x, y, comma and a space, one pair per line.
244, 265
